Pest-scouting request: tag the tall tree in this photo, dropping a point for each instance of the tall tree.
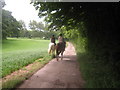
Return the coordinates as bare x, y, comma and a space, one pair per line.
23, 24
23, 29
39, 26
2, 3
10, 26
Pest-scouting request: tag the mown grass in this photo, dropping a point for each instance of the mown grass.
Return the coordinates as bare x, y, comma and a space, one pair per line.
17, 53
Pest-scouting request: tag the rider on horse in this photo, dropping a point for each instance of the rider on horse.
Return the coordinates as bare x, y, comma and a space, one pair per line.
60, 45
52, 45
61, 41
52, 39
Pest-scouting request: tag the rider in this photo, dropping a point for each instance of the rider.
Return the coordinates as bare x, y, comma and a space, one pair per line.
52, 39
61, 40
60, 47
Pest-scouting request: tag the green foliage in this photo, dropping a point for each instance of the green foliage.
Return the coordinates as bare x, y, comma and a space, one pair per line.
39, 30
93, 26
22, 24
96, 73
13, 82
10, 26
36, 25
21, 52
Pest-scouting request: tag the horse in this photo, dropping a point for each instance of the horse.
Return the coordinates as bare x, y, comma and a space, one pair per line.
60, 48
51, 49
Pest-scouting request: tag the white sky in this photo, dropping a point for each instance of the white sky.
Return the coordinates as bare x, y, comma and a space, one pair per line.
22, 10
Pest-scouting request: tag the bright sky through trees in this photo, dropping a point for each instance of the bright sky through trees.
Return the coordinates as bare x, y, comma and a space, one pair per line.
22, 10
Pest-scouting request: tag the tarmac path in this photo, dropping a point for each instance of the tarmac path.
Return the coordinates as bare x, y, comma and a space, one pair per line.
58, 74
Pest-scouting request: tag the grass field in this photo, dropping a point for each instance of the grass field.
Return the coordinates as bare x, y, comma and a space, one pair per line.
17, 53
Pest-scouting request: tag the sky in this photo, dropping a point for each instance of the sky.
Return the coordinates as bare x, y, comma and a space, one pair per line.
22, 10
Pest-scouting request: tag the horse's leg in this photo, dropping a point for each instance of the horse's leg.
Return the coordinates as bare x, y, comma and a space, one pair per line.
49, 51
62, 55
53, 51
57, 55
57, 52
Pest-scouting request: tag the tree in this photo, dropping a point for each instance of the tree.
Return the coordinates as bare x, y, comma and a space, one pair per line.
2, 3
98, 22
10, 26
36, 25
23, 29
59, 13
22, 24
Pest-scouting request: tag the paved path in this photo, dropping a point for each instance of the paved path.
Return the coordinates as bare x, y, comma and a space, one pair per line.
58, 74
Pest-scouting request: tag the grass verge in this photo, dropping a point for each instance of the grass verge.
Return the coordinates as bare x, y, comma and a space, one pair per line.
96, 73
16, 78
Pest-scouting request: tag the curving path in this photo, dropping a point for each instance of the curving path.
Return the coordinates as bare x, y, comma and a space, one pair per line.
58, 74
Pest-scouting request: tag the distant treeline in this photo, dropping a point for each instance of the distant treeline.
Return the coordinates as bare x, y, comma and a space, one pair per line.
13, 28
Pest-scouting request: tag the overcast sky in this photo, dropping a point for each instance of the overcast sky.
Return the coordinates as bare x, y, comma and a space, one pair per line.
22, 10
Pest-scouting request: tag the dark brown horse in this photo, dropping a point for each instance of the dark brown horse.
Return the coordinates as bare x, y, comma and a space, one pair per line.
60, 48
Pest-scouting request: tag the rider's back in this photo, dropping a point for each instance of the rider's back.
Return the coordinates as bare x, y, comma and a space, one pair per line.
60, 39
52, 40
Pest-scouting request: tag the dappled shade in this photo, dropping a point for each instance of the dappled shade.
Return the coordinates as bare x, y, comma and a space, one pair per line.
91, 26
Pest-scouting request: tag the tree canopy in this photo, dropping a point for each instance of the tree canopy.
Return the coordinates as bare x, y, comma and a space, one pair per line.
39, 26
98, 23
10, 26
